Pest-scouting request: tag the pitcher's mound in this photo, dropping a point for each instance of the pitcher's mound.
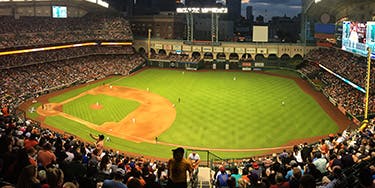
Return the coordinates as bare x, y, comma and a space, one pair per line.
96, 106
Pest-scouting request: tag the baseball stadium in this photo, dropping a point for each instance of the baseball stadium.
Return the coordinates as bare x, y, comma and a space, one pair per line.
91, 97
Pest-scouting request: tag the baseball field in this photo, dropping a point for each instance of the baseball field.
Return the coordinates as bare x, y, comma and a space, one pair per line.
232, 114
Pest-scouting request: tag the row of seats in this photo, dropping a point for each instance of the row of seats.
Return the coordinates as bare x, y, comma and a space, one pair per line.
39, 31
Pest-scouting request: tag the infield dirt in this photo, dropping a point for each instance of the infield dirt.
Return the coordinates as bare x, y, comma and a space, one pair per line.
154, 115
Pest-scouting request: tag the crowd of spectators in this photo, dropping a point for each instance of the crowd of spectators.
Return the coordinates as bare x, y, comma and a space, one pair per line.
347, 65
37, 31
345, 160
23, 59
34, 156
21, 83
31, 156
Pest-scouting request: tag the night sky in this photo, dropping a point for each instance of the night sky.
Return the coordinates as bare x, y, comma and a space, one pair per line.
266, 8
270, 8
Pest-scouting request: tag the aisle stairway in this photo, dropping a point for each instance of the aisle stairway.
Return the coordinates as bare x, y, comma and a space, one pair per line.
204, 180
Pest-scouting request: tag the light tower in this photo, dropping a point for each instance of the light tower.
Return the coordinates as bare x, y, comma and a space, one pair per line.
215, 12
365, 119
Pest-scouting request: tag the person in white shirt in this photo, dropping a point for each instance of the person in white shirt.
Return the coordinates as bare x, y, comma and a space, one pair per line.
195, 160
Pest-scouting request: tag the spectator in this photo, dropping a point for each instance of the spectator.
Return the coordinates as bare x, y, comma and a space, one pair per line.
177, 168
99, 143
116, 181
55, 177
307, 181
221, 178
28, 178
280, 182
339, 179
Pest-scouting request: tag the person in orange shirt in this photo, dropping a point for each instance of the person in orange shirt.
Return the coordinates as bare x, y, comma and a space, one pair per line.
323, 147
5, 111
30, 141
45, 156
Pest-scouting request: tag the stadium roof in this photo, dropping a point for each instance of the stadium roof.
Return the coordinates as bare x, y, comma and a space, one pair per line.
359, 10
93, 5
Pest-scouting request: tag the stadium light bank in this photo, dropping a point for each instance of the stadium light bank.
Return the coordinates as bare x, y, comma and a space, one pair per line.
201, 10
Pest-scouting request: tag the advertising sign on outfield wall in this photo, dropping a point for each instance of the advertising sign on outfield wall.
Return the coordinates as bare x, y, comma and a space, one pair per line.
158, 46
250, 50
218, 49
228, 50
240, 50
167, 47
259, 64
207, 49
272, 51
246, 68
261, 50
246, 64
197, 49
176, 47
186, 48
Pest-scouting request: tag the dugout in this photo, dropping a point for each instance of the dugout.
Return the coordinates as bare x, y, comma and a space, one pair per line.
220, 63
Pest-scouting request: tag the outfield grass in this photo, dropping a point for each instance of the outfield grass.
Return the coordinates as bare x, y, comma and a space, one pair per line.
223, 110
146, 149
113, 109
218, 111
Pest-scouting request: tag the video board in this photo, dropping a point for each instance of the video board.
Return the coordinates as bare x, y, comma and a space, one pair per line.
358, 36
59, 12
370, 40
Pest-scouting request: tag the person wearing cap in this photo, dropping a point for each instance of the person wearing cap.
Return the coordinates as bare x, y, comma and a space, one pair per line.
293, 165
256, 170
177, 168
221, 179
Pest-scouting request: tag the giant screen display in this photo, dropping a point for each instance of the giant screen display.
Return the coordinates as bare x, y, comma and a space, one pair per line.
370, 39
358, 36
59, 12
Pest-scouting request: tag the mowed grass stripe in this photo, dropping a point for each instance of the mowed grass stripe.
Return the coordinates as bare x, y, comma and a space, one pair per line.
75, 92
216, 109
113, 109
145, 149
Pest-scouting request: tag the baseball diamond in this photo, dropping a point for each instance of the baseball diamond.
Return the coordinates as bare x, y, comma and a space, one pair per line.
187, 93
202, 119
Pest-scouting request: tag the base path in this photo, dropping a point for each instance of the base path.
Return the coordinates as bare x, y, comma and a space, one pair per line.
154, 115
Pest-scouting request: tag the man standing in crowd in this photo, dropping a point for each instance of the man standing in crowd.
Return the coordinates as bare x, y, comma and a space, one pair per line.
99, 144
177, 168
